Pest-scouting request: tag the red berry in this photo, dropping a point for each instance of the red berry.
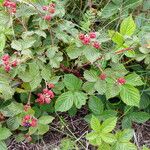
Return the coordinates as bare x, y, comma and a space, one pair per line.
27, 117
92, 35
13, 4
14, 63
13, 10
52, 10
6, 57
81, 36
51, 85
52, 5
47, 17
7, 68
86, 40
121, 81
34, 122
50, 93
6, 63
96, 45
103, 76
45, 8
45, 91
47, 100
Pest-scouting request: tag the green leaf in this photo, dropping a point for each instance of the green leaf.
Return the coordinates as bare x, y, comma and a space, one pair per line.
127, 26
2, 42
104, 146
95, 123
64, 101
13, 123
130, 95
72, 82
91, 54
108, 125
42, 129
109, 10
116, 37
79, 99
46, 73
108, 137
112, 90
91, 75
134, 79
124, 146
125, 135
139, 117
3, 145
4, 133
100, 86
45, 119
88, 87
96, 105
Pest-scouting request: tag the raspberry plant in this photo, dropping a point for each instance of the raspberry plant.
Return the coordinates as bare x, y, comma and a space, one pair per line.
50, 64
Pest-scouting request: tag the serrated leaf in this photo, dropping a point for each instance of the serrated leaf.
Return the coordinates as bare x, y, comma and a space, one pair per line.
64, 101
2, 42
95, 123
100, 86
108, 125
13, 123
96, 106
46, 73
130, 95
4, 133
45, 119
79, 99
88, 87
91, 75
116, 37
134, 79
127, 26
124, 146
72, 83
3, 145
42, 129
108, 137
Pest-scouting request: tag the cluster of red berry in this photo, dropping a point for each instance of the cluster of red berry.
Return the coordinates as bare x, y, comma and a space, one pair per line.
50, 10
46, 96
7, 63
29, 121
120, 80
10, 5
87, 39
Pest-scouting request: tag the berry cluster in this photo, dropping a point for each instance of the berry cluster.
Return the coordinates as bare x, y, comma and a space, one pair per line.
8, 65
121, 81
10, 5
29, 121
88, 39
46, 96
50, 10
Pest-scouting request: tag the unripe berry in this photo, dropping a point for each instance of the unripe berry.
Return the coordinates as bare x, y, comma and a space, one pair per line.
86, 40
52, 5
47, 100
7, 68
96, 45
34, 122
103, 76
45, 8
47, 17
29, 138
51, 85
27, 117
14, 63
6, 57
92, 35
26, 107
81, 36
52, 10
121, 81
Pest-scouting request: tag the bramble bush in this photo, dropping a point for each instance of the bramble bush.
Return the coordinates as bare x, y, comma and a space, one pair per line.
53, 61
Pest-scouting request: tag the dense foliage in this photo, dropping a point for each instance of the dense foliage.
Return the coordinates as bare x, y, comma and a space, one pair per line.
59, 56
